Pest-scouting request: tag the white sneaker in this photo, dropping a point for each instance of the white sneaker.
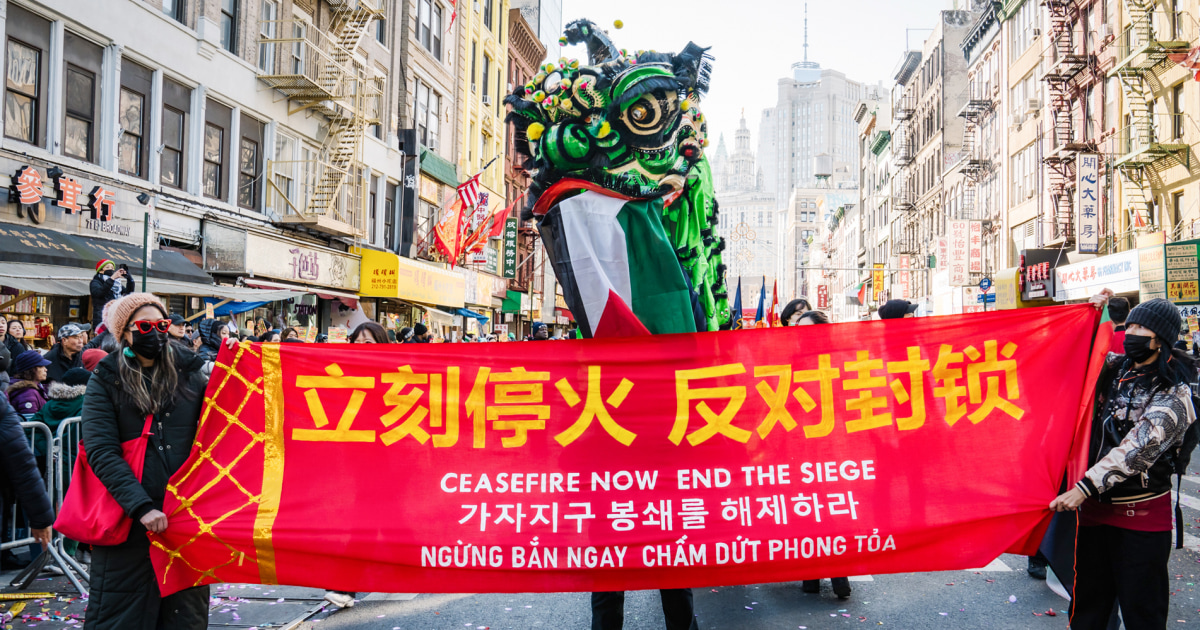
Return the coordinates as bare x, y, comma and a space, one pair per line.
52, 569
340, 599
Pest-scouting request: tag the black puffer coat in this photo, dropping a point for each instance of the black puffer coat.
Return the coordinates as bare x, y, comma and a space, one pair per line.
20, 470
124, 592
101, 290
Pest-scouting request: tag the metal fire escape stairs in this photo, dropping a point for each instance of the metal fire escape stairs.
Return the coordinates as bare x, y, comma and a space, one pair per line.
1062, 86
1138, 151
320, 72
975, 166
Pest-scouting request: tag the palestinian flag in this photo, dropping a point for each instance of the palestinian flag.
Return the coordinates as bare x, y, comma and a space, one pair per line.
618, 270
858, 292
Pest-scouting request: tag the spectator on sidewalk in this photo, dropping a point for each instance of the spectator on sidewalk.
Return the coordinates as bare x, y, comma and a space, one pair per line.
19, 470
108, 284
27, 392
67, 354
91, 357
148, 376
5, 356
14, 340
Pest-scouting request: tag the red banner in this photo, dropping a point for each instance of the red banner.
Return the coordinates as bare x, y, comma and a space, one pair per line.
655, 462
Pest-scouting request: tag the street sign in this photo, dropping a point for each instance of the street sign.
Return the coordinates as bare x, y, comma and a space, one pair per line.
985, 285
986, 298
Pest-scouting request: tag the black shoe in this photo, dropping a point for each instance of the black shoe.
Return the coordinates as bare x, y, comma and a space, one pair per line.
10, 561
841, 587
811, 586
1037, 568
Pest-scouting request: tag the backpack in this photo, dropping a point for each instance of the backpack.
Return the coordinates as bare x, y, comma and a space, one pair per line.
1183, 457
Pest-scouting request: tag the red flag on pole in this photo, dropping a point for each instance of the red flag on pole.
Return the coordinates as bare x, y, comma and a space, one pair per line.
773, 316
448, 232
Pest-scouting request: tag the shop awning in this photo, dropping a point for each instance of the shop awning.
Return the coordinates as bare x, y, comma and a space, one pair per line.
438, 168
439, 316
512, 303
45, 279
349, 299
38, 246
473, 315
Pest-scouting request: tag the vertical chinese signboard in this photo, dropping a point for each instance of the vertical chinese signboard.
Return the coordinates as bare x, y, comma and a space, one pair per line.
943, 253
1152, 275
877, 275
959, 254
1087, 192
976, 248
904, 278
822, 297
510, 248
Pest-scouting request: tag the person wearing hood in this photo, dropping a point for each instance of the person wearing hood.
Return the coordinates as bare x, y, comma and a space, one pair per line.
67, 354
26, 392
1142, 411
147, 377
64, 399
212, 332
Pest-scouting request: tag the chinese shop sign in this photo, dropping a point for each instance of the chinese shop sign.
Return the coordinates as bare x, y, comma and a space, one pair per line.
1171, 271
510, 248
1087, 202
649, 462
97, 207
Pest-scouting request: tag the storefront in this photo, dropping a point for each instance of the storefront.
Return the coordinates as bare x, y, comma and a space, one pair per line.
407, 291
325, 281
1080, 281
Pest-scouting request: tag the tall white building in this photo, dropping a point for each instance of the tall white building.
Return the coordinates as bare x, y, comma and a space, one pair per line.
750, 223
546, 18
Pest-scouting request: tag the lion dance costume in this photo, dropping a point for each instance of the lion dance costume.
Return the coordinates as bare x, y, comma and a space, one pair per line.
621, 191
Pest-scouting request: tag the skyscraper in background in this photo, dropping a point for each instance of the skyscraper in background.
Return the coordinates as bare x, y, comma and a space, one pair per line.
546, 18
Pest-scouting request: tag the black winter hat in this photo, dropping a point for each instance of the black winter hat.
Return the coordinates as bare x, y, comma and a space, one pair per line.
76, 376
420, 329
1160, 316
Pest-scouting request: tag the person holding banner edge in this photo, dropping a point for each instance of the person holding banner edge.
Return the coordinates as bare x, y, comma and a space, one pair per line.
1143, 410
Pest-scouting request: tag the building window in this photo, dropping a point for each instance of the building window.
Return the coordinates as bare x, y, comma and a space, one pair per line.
172, 153
389, 217
214, 157
22, 92
372, 212
474, 57
173, 9
487, 14
1177, 102
248, 174
283, 172
381, 29
299, 33
268, 28
429, 27
81, 113
1176, 208
429, 111
132, 115
229, 11
487, 73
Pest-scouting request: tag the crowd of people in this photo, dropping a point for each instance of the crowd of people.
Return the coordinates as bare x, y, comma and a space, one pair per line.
142, 363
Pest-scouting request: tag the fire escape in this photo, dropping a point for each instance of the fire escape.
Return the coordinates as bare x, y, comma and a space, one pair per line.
1063, 84
904, 151
976, 164
319, 71
1139, 67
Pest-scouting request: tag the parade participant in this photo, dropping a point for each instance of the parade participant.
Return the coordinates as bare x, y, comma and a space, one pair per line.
14, 340
897, 309
108, 284
21, 473
405, 336
540, 332
273, 336
1143, 409
67, 354
288, 333
369, 332
841, 585
1118, 312
420, 334
792, 312
148, 377
27, 392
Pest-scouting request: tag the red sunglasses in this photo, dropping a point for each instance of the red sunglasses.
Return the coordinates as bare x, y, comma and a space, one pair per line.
146, 325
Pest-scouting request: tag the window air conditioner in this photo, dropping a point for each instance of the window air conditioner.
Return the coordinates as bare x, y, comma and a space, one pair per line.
1033, 105
487, 100
1037, 32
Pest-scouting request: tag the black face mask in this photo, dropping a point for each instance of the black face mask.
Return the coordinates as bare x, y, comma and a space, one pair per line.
1138, 348
149, 345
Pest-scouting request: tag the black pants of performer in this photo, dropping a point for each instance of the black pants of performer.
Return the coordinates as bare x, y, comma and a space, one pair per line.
124, 592
608, 609
1124, 566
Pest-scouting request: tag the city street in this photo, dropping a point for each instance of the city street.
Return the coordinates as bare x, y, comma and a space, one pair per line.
998, 596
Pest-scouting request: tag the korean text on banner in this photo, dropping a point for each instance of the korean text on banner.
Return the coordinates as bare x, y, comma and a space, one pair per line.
564, 467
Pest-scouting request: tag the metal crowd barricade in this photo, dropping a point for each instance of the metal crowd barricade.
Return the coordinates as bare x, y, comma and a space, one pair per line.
48, 466
66, 450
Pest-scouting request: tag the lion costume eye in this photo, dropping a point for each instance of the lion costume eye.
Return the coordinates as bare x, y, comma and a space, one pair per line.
649, 114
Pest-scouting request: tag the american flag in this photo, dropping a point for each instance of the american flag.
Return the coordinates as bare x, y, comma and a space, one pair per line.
468, 192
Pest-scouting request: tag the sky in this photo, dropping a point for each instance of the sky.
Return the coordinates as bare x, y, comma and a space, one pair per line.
755, 43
